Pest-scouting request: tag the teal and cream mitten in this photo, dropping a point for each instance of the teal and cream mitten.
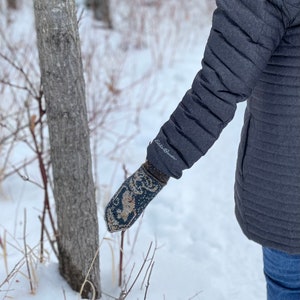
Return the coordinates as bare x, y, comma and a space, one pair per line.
133, 196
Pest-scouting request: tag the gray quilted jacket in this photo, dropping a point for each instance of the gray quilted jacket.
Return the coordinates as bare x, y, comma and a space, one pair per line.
253, 54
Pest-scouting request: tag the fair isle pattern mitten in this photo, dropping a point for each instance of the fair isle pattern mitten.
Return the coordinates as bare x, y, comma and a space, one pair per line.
133, 196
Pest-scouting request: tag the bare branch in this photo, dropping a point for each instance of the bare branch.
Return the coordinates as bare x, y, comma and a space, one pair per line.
31, 90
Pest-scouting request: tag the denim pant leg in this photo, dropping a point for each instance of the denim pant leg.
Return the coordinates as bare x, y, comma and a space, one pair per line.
282, 272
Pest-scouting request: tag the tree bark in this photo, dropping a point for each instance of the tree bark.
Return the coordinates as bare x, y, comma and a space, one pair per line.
74, 192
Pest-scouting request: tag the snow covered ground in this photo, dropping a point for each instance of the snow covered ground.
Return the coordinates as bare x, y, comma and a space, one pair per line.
200, 251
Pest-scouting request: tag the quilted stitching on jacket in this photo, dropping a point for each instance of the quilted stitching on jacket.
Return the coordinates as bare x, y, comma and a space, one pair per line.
253, 54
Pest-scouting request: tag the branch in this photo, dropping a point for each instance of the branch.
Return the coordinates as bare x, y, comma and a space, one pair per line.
32, 90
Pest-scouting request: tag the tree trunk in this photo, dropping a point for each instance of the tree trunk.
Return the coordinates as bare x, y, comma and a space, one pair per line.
101, 11
74, 193
12, 4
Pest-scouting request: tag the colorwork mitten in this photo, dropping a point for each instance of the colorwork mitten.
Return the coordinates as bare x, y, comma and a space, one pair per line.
133, 196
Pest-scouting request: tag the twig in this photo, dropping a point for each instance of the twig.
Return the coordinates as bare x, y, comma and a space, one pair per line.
150, 265
17, 169
139, 272
38, 150
50, 240
15, 270
25, 177
148, 280
121, 258
197, 294
16, 86
112, 255
30, 90
110, 296
88, 274
129, 277
4, 248
126, 173
64, 293
123, 295
10, 145
92, 287
137, 232
80, 17
26, 254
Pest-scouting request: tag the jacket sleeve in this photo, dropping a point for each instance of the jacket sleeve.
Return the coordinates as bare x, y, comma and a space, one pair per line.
243, 36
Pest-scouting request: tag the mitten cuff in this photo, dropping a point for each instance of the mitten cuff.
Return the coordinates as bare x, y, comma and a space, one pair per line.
160, 176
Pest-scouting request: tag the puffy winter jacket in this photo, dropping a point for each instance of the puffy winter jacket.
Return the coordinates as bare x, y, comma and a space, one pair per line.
253, 54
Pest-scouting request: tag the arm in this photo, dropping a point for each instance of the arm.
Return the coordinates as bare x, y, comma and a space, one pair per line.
243, 37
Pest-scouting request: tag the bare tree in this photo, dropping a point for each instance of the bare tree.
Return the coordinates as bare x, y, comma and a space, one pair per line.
101, 11
12, 4
74, 192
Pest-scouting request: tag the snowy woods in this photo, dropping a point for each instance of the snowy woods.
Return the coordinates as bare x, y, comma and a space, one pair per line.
116, 83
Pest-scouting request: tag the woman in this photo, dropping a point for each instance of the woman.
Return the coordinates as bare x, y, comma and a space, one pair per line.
253, 54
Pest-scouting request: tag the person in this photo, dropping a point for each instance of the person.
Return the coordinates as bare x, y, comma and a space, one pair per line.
252, 54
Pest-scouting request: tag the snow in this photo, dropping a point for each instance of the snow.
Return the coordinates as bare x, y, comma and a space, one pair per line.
200, 251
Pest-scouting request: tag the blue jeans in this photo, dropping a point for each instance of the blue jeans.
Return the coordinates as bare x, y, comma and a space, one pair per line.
282, 272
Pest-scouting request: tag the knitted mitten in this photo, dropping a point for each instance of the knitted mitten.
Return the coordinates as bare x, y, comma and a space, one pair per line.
133, 196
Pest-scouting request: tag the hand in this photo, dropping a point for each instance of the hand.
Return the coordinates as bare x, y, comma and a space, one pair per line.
133, 196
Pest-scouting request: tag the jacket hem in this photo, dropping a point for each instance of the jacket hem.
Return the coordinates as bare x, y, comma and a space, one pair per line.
262, 241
